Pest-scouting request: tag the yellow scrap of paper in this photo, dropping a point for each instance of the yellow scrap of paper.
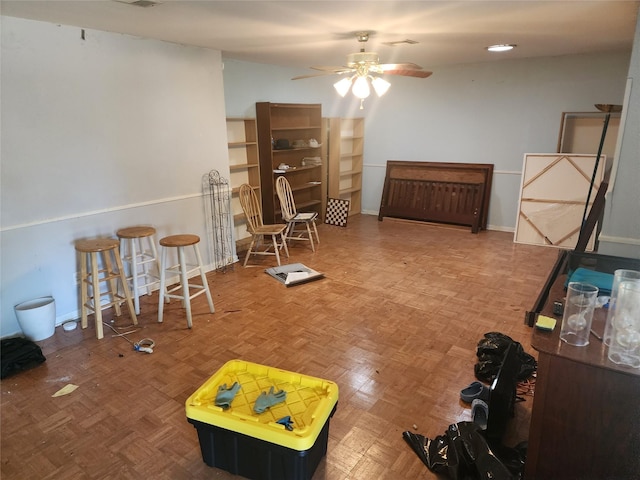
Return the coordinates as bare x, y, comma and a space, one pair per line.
66, 390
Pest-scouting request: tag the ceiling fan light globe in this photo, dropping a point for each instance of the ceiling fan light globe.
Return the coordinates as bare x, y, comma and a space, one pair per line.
380, 85
361, 88
343, 86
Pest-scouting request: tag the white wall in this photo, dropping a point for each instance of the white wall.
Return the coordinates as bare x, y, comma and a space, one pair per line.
620, 234
98, 134
484, 113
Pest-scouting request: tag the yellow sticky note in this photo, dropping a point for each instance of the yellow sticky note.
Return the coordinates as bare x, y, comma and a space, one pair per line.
66, 390
545, 323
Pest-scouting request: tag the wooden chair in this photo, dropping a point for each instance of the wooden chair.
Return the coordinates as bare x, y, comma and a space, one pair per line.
258, 230
293, 217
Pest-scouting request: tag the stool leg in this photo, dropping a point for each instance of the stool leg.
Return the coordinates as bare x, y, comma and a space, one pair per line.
148, 275
84, 286
95, 283
152, 241
134, 274
125, 286
185, 285
163, 262
112, 282
203, 276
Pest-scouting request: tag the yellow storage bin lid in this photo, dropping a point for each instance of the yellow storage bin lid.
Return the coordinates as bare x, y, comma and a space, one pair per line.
309, 403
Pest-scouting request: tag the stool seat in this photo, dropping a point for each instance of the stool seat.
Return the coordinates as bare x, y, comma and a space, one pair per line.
182, 269
182, 240
142, 261
108, 250
136, 232
96, 245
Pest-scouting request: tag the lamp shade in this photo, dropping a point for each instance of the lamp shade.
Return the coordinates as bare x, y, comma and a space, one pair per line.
361, 88
342, 87
380, 85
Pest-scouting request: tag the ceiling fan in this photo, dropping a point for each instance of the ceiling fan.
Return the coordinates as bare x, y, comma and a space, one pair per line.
362, 68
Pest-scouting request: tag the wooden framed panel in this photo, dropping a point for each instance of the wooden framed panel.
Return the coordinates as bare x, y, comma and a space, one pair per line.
581, 132
456, 193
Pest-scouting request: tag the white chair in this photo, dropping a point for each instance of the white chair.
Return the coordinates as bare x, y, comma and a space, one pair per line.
293, 217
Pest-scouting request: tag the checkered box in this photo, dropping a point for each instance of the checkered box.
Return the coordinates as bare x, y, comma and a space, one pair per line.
337, 212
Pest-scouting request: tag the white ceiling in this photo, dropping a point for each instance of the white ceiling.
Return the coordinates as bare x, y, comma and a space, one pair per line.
307, 32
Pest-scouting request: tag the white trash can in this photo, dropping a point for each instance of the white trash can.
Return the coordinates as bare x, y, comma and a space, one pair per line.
37, 318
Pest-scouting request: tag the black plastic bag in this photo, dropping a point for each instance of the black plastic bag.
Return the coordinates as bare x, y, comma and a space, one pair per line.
462, 453
18, 354
490, 352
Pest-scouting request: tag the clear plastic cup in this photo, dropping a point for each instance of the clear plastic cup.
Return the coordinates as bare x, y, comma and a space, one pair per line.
625, 332
620, 275
578, 313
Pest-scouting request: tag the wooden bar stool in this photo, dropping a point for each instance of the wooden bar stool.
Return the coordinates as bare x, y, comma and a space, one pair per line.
183, 270
108, 249
140, 259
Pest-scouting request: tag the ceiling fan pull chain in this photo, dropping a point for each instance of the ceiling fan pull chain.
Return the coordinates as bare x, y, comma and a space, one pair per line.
362, 104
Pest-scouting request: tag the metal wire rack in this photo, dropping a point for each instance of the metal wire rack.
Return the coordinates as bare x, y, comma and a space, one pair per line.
219, 219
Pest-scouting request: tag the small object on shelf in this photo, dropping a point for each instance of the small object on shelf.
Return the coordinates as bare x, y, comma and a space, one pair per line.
311, 161
282, 144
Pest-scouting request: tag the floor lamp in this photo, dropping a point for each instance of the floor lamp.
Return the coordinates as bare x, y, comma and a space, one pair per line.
607, 108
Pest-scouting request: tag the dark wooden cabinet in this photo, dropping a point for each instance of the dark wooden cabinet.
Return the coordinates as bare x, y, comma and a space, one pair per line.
585, 421
297, 124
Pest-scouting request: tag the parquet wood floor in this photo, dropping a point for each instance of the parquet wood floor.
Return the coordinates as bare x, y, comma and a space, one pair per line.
395, 323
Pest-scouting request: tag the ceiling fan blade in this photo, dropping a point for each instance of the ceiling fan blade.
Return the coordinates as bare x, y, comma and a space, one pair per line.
399, 66
409, 73
311, 75
334, 69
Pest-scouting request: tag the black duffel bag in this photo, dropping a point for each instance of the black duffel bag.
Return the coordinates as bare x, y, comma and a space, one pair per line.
18, 354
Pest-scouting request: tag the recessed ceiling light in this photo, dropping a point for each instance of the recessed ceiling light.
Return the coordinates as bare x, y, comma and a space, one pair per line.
503, 47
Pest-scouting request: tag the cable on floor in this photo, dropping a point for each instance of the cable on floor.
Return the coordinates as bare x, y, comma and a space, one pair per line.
145, 345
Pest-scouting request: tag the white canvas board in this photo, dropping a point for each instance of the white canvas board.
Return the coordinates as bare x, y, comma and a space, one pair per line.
553, 193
